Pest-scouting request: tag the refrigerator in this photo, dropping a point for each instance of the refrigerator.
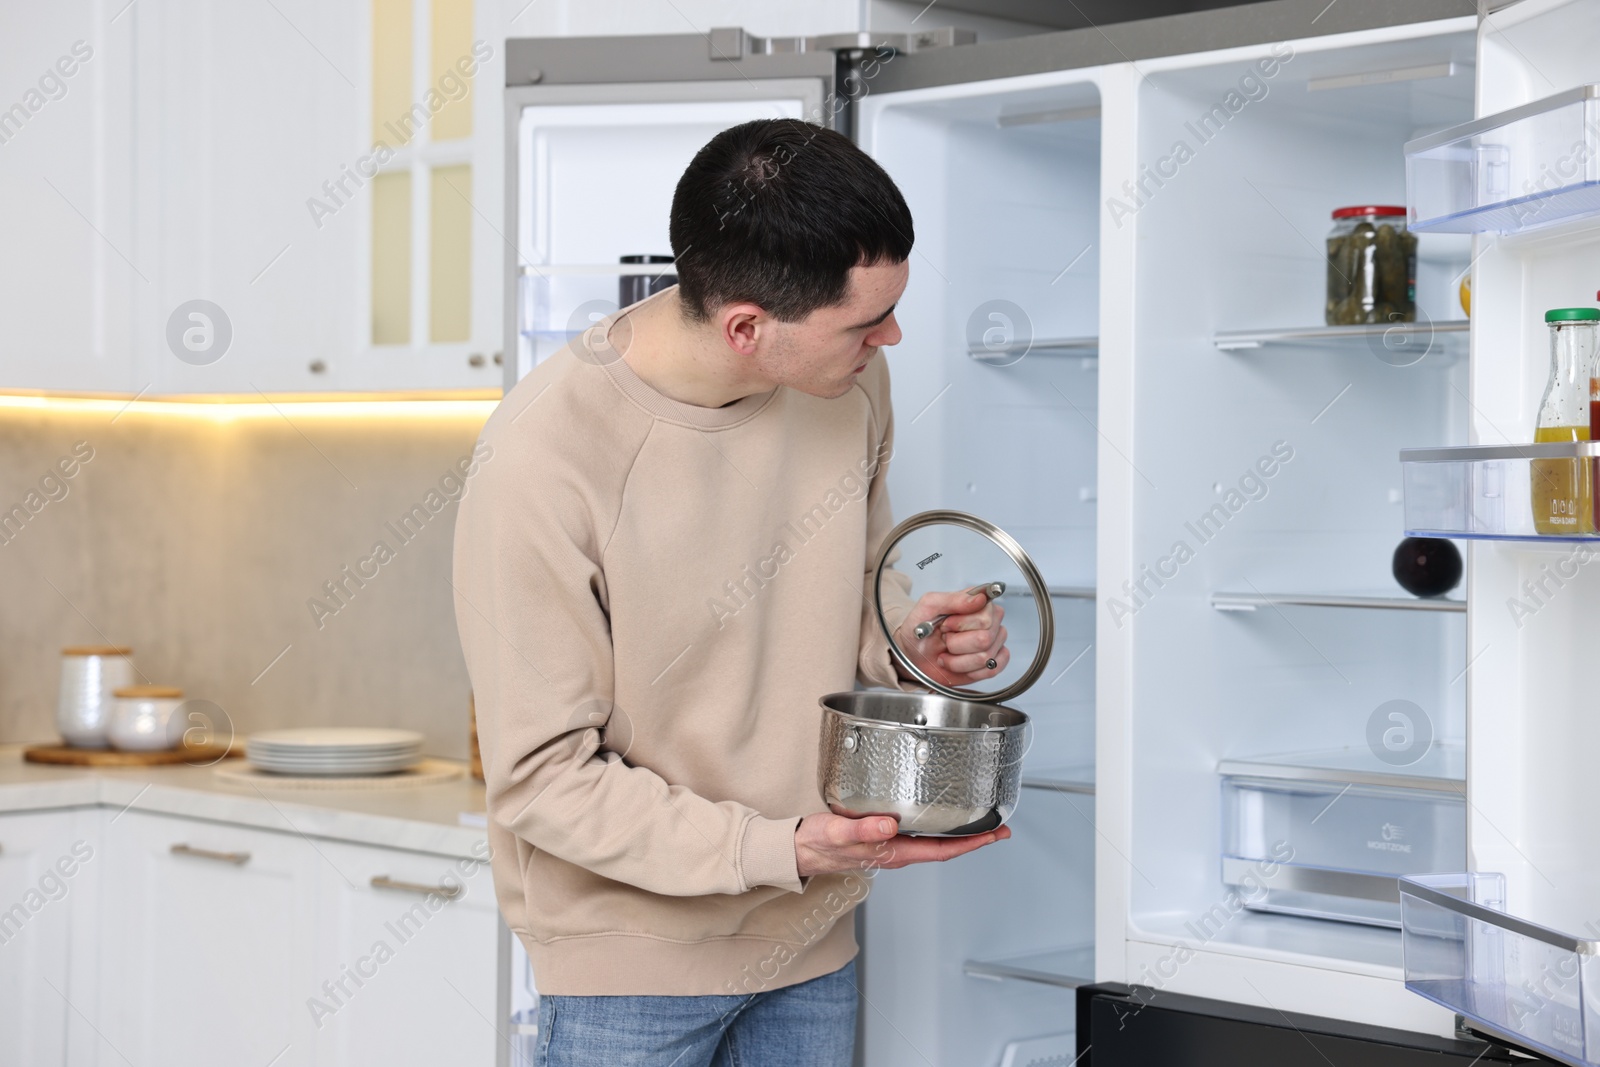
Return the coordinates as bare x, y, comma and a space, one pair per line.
1115, 349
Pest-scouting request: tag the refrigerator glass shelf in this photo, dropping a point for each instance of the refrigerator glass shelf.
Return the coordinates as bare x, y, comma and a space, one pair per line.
1398, 343
1486, 492
1061, 780
1442, 768
1253, 601
1526, 168
1068, 968
1532, 986
1012, 351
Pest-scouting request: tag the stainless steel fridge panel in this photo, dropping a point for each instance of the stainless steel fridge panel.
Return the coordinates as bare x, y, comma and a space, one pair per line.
660, 58
724, 53
1125, 42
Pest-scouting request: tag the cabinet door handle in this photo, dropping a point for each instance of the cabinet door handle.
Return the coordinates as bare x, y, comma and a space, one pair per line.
239, 858
383, 881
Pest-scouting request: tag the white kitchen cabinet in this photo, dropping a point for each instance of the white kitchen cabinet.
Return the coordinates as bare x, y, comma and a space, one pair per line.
209, 943
216, 152
408, 956
45, 860
246, 109
226, 942
73, 266
259, 124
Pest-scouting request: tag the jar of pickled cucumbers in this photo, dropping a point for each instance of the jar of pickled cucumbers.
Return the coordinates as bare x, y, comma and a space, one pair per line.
1372, 267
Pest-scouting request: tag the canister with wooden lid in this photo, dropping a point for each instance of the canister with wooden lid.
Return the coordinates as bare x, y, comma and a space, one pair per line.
89, 675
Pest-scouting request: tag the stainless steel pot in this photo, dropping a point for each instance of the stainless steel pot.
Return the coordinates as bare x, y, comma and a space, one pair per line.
943, 767
946, 763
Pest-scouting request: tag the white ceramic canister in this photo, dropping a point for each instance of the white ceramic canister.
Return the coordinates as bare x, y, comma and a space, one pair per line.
142, 718
89, 675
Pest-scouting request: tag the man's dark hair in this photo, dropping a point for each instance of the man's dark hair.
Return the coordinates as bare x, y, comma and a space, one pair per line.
776, 212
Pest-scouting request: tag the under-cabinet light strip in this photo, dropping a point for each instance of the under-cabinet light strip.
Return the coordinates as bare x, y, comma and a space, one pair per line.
229, 411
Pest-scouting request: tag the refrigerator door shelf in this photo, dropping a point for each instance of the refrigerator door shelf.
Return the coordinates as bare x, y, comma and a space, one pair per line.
1528, 985
1523, 169
1486, 491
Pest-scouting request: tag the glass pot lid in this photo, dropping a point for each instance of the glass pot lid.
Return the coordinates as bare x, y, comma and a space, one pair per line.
951, 552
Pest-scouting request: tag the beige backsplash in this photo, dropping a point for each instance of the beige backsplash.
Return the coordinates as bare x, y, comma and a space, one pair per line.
199, 543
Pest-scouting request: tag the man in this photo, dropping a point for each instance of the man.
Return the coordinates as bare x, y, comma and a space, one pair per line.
662, 567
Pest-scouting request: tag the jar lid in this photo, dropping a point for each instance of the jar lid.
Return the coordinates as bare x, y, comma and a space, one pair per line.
1572, 315
1382, 210
148, 692
96, 650
953, 552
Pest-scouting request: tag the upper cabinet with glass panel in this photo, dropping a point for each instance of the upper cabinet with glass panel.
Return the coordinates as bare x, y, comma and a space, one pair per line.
329, 186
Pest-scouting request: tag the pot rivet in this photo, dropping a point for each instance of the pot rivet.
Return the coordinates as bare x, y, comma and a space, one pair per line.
849, 742
920, 719
923, 751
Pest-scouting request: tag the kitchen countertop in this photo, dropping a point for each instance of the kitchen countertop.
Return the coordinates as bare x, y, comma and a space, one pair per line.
422, 818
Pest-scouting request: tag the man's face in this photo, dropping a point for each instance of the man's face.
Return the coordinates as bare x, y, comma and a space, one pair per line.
825, 352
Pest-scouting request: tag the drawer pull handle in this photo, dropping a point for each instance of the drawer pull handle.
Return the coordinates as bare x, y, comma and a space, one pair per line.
237, 858
383, 881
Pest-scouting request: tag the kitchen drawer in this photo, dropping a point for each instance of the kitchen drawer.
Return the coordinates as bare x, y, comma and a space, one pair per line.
208, 943
1332, 849
408, 959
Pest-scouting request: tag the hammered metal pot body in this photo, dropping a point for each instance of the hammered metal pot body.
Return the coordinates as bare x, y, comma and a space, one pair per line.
943, 767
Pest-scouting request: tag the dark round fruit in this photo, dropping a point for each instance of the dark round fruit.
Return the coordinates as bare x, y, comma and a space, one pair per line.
1427, 566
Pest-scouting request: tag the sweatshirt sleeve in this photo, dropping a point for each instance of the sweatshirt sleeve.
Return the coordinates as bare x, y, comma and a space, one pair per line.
530, 596
875, 666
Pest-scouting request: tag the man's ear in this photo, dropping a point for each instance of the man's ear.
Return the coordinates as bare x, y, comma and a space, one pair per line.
743, 327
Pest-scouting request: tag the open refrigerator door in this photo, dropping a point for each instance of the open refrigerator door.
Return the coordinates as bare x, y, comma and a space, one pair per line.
1509, 943
598, 129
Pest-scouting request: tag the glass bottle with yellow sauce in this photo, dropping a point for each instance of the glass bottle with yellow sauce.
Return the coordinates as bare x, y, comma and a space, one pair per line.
1562, 489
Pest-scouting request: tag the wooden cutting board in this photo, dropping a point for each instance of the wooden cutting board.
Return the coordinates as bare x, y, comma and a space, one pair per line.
110, 757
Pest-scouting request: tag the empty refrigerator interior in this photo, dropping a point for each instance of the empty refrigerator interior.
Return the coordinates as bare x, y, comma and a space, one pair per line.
1267, 487
996, 398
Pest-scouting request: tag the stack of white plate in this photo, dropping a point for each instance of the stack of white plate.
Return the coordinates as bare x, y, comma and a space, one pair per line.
334, 751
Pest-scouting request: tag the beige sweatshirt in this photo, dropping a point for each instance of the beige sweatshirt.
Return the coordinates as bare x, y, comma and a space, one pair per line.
651, 597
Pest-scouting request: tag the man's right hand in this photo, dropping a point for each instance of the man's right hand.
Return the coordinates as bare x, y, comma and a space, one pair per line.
825, 843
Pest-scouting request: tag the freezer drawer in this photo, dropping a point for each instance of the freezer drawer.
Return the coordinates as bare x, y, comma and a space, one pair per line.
1136, 1026
1332, 850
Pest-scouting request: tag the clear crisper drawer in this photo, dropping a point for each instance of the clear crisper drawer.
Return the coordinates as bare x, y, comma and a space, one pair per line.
1526, 984
1332, 849
1521, 169
1502, 492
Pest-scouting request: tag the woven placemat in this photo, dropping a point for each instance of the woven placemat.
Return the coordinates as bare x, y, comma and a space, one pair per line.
425, 772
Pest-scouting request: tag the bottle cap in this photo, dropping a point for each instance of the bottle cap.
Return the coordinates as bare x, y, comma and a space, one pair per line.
1572, 315
1384, 210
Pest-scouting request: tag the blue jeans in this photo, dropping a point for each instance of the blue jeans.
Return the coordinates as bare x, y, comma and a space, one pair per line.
812, 1024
